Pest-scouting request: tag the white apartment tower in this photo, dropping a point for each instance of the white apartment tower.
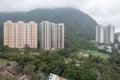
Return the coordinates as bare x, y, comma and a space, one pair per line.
105, 34
20, 34
45, 38
109, 33
54, 39
51, 35
60, 35
100, 34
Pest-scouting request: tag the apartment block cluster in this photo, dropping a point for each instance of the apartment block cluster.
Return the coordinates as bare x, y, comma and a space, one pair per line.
47, 36
52, 35
105, 34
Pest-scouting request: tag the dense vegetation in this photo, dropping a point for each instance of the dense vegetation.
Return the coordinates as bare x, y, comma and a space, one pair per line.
76, 22
46, 62
75, 41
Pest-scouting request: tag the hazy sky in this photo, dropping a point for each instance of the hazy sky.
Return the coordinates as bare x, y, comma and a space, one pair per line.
103, 11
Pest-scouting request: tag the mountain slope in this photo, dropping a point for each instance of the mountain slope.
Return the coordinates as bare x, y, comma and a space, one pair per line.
76, 22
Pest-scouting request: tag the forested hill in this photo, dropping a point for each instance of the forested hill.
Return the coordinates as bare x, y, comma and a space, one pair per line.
76, 22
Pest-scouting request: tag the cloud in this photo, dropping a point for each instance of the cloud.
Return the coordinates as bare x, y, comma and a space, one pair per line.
26, 5
103, 11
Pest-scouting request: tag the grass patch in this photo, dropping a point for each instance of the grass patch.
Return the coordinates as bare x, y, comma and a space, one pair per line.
3, 62
99, 54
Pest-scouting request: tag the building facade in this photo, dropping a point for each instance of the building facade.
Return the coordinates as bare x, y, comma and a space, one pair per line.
55, 77
100, 34
60, 36
118, 39
51, 35
109, 34
20, 34
105, 34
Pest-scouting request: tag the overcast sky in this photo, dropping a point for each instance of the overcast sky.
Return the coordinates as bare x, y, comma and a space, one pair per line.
103, 11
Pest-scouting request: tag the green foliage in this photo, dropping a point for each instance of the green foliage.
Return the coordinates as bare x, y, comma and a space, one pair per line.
115, 58
26, 51
6, 49
3, 62
50, 61
75, 41
38, 76
29, 69
66, 52
54, 62
79, 73
11, 56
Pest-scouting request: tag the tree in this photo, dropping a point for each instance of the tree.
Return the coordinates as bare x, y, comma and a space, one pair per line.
29, 69
37, 76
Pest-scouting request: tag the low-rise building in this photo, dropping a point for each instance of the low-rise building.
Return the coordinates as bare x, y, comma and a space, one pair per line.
55, 77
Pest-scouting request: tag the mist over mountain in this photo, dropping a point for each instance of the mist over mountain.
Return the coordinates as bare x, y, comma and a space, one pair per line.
76, 22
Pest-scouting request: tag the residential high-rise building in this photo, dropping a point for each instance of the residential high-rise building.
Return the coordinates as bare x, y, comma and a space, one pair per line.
105, 34
45, 38
19, 31
20, 34
60, 35
54, 35
9, 36
109, 34
51, 35
100, 34
32, 37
